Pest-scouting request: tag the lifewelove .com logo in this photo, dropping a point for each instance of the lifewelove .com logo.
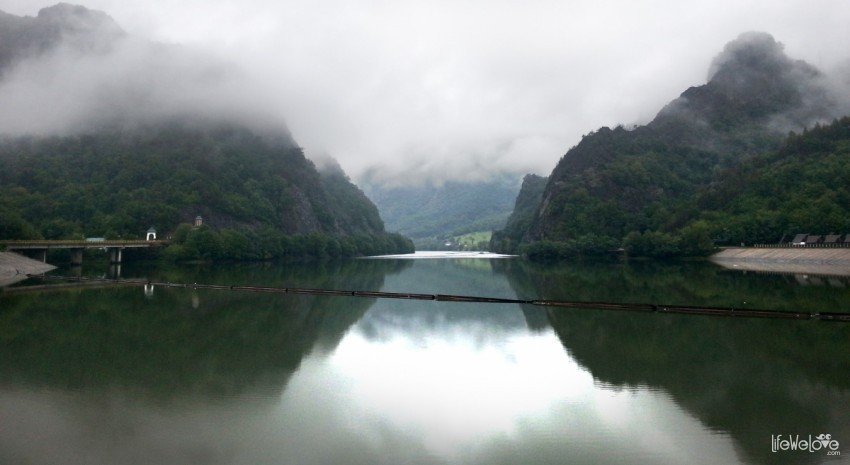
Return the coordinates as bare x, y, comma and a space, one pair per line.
820, 443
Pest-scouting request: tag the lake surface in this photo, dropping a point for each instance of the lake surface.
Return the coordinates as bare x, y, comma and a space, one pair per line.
123, 375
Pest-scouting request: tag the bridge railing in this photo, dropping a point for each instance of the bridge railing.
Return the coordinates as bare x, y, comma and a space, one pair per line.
81, 243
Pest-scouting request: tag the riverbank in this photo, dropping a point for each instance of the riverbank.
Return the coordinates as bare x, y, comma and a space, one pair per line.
15, 267
827, 261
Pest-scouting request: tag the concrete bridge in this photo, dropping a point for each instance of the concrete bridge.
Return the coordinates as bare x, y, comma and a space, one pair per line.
115, 248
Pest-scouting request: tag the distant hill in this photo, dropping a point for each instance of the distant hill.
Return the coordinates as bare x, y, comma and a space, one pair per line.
257, 193
618, 182
431, 212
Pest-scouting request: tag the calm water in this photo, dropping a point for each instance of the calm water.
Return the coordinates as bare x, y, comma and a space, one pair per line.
179, 376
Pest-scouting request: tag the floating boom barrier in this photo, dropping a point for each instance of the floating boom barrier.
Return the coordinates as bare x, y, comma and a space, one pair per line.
623, 306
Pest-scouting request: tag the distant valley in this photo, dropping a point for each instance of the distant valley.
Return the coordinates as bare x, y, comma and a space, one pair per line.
454, 215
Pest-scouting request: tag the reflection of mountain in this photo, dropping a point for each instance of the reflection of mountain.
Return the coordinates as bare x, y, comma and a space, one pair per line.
686, 283
181, 341
750, 378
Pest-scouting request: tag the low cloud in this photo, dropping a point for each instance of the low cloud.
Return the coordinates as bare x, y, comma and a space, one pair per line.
74, 71
134, 82
433, 91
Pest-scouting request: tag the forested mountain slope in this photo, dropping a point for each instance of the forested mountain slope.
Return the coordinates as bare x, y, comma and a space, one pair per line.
802, 188
618, 181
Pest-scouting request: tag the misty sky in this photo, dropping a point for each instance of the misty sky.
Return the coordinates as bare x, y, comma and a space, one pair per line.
456, 89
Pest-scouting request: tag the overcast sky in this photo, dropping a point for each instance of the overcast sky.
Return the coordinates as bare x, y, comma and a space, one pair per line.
457, 88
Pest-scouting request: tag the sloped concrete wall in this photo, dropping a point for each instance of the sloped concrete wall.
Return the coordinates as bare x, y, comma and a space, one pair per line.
792, 260
15, 267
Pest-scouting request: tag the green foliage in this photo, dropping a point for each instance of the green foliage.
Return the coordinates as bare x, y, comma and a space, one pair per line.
124, 182
695, 240
802, 188
206, 244
588, 245
651, 244
13, 226
350, 205
261, 198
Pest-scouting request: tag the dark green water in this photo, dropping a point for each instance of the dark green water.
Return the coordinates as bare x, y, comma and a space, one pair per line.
179, 376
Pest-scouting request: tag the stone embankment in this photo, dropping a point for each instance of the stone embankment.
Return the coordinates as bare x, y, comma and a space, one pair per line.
825, 261
15, 267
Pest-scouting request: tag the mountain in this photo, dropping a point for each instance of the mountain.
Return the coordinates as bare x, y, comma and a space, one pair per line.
529, 197
257, 193
348, 204
429, 212
616, 182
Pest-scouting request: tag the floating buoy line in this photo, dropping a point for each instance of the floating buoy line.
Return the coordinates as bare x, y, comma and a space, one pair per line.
634, 307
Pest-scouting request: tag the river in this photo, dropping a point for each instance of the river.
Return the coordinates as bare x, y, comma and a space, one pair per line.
125, 375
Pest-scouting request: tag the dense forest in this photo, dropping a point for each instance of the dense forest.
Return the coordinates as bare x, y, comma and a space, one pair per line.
260, 198
804, 187
636, 188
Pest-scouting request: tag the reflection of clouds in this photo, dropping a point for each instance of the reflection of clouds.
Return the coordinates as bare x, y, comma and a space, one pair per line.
445, 276
423, 319
450, 390
520, 396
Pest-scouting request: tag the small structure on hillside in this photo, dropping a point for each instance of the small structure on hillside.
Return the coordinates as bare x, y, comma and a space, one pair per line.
151, 234
198, 221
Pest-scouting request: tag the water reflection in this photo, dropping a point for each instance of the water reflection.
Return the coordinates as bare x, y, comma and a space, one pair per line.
175, 341
686, 283
115, 376
750, 378
470, 383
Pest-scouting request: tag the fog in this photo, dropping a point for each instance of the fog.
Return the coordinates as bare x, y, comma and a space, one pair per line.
97, 77
425, 90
